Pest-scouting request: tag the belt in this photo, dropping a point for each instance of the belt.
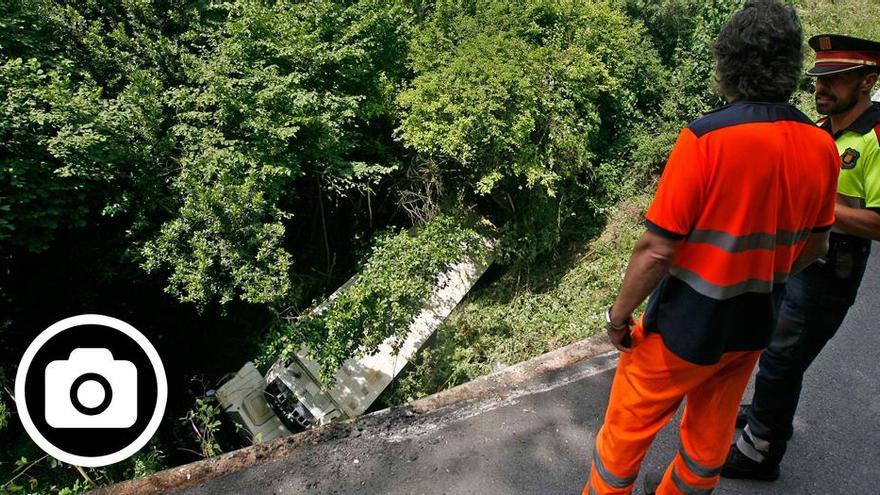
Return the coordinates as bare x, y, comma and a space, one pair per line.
849, 243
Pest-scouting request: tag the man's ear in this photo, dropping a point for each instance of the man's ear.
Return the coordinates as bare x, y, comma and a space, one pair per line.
869, 81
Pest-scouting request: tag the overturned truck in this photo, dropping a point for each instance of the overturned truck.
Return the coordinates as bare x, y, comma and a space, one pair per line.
290, 398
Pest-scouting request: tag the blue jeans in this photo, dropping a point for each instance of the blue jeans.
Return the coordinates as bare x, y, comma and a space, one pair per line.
815, 304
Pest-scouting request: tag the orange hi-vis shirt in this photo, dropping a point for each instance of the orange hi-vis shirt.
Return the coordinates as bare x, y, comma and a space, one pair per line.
743, 187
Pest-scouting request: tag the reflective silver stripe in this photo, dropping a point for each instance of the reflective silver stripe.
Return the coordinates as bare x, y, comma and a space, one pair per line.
688, 489
697, 468
592, 492
760, 240
612, 480
758, 442
749, 450
721, 292
791, 238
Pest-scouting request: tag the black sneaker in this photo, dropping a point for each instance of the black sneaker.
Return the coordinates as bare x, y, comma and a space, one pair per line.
742, 415
738, 466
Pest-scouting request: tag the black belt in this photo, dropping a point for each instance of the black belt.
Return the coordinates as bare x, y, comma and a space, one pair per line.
849, 241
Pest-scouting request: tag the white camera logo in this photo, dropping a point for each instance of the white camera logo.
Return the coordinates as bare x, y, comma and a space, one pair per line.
91, 390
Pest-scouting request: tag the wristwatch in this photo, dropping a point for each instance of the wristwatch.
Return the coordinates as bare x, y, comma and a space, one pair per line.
610, 324
626, 340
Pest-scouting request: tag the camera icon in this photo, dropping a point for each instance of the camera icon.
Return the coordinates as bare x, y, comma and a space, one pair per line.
91, 390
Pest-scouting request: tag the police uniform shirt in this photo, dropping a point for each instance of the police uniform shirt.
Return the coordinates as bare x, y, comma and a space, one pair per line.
859, 148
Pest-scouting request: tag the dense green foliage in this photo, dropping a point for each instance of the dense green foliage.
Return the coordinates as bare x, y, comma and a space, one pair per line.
277, 95
683, 31
212, 169
389, 290
84, 123
524, 105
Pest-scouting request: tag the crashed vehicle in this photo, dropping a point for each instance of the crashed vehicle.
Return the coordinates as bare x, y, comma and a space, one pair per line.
290, 398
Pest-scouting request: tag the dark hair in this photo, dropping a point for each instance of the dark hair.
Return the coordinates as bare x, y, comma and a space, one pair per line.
759, 53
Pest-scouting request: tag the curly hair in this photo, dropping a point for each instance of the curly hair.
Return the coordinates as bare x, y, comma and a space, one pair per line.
759, 53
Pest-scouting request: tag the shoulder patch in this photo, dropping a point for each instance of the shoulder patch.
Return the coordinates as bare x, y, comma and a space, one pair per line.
849, 159
877, 133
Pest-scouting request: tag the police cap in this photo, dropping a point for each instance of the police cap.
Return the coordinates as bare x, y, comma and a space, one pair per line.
837, 53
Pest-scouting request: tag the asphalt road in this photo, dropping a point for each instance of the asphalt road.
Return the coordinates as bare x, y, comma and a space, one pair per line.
538, 440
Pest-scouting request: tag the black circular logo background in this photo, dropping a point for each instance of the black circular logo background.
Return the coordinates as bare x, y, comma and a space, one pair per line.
90, 442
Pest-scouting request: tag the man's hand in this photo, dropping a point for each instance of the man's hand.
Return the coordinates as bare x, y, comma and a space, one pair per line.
622, 339
619, 330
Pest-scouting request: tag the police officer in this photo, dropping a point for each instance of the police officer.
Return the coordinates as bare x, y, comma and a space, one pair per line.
818, 298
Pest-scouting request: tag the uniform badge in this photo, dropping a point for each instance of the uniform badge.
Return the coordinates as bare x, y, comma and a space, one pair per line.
849, 158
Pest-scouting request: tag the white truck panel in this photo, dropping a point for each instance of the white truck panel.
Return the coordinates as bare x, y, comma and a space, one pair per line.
361, 380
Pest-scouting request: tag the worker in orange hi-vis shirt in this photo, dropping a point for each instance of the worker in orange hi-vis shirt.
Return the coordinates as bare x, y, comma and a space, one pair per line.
746, 199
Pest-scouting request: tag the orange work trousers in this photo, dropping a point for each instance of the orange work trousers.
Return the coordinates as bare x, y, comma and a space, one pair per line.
648, 388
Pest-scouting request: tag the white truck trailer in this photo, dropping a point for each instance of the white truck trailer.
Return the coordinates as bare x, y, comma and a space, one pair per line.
290, 397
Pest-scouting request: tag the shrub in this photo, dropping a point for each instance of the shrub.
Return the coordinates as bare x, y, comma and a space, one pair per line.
519, 102
684, 30
390, 289
282, 98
